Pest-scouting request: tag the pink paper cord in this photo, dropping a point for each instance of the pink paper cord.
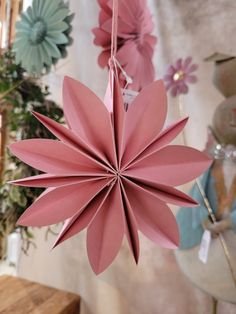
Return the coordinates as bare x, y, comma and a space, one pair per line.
114, 29
113, 62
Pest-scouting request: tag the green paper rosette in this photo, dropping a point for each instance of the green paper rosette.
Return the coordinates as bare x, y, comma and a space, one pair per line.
42, 35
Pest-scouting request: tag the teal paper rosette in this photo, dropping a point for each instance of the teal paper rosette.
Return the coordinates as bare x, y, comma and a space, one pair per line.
42, 35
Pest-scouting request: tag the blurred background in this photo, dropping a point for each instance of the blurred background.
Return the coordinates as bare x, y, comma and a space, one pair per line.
183, 28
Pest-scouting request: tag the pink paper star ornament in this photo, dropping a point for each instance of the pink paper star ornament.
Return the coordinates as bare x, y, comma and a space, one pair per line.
110, 173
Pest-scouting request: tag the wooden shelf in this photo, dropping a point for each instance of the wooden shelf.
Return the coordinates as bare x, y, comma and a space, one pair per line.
21, 296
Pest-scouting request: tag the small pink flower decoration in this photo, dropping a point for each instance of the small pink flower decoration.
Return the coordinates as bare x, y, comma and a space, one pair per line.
179, 75
134, 39
110, 173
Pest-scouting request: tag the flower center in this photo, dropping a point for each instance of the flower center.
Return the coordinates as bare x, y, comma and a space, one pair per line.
38, 32
118, 173
178, 76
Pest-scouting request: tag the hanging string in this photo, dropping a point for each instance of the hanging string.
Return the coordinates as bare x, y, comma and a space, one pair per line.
126, 76
114, 30
114, 63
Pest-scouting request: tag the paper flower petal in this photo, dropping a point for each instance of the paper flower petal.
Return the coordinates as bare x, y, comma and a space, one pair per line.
103, 58
130, 55
131, 228
55, 157
183, 88
82, 218
48, 180
82, 108
191, 79
144, 119
187, 62
163, 139
61, 203
101, 38
106, 231
165, 166
165, 193
157, 221
69, 138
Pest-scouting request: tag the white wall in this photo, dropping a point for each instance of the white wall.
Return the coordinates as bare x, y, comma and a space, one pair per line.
27, 3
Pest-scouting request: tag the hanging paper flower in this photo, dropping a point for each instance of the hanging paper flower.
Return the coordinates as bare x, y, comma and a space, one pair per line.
135, 42
42, 35
113, 174
179, 75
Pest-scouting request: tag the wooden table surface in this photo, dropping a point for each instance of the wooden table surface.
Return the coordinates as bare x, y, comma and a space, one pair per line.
20, 296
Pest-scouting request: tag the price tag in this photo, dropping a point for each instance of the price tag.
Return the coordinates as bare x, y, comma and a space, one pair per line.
129, 95
204, 246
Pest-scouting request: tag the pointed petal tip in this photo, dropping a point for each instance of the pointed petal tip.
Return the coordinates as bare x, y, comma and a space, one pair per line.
20, 222
13, 148
183, 122
179, 125
170, 244
185, 119
35, 113
24, 220
98, 269
174, 243
17, 181
177, 243
68, 79
27, 221
190, 202
40, 117
136, 259
96, 272
13, 182
194, 203
58, 241
173, 246
208, 161
55, 244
